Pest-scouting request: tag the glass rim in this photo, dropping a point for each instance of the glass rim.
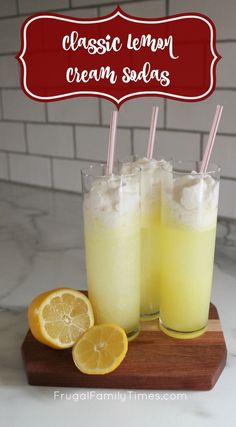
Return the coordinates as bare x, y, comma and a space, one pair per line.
213, 168
85, 172
129, 158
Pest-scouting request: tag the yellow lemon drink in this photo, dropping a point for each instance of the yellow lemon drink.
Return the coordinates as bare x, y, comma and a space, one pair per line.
188, 229
150, 234
112, 244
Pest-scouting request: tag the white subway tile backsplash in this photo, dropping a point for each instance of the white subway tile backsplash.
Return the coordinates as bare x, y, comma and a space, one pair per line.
199, 115
56, 138
92, 142
50, 140
30, 170
221, 12
81, 13
226, 68
1, 112
67, 174
9, 71
29, 6
92, 2
146, 9
172, 145
17, 106
8, 7
3, 166
76, 110
12, 136
10, 34
136, 112
227, 202
224, 154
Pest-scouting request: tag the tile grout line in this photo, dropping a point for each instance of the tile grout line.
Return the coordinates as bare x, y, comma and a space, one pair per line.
228, 178
80, 159
41, 187
46, 112
132, 141
72, 192
221, 88
165, 113
58, 10
8, 167
17, 8
1, 105
74, 141
100, 111
51, 172
68, 192
226, 41
201, 145
26, 138
47, 156
167, 8
106, 126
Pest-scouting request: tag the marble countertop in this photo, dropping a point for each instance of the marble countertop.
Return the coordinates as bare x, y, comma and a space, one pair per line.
41, 247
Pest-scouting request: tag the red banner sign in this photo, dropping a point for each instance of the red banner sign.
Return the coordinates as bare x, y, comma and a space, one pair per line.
118, 57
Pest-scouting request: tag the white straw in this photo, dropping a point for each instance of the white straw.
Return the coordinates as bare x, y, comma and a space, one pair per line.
152, 132
211, 138
111, 143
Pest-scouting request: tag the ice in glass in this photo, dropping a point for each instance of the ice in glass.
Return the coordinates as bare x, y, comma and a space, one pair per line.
111, 206
150, 232
188, 229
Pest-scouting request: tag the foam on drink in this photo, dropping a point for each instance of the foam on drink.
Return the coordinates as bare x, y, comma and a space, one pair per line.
112, 199
188, 229
151, 173
112, 242
191, 200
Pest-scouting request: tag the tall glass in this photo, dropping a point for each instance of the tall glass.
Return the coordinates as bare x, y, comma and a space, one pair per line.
188, 229
111, 206
150, 231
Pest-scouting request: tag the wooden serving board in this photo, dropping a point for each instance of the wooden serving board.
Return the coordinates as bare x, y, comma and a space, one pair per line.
153, 361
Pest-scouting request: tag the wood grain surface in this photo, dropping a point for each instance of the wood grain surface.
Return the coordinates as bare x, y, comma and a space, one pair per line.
153, 361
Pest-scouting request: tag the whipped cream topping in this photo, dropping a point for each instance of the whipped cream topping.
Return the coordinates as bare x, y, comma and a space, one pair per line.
113, 200
151, 174
191, 200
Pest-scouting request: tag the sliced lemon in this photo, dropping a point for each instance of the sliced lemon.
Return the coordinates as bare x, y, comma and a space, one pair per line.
101, 349
59, 317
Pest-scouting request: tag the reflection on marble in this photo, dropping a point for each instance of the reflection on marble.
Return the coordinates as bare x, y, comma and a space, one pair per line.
41, 247
225, 256
41, 243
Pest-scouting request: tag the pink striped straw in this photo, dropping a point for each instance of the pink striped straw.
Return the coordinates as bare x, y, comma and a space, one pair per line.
152, 132
211, 139
111, 143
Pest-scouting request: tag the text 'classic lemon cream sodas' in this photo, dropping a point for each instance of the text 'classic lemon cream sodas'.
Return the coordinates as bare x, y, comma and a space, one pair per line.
188, 229
111, 209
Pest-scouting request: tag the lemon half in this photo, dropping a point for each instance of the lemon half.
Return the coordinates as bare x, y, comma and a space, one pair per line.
59, 317
101, 349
